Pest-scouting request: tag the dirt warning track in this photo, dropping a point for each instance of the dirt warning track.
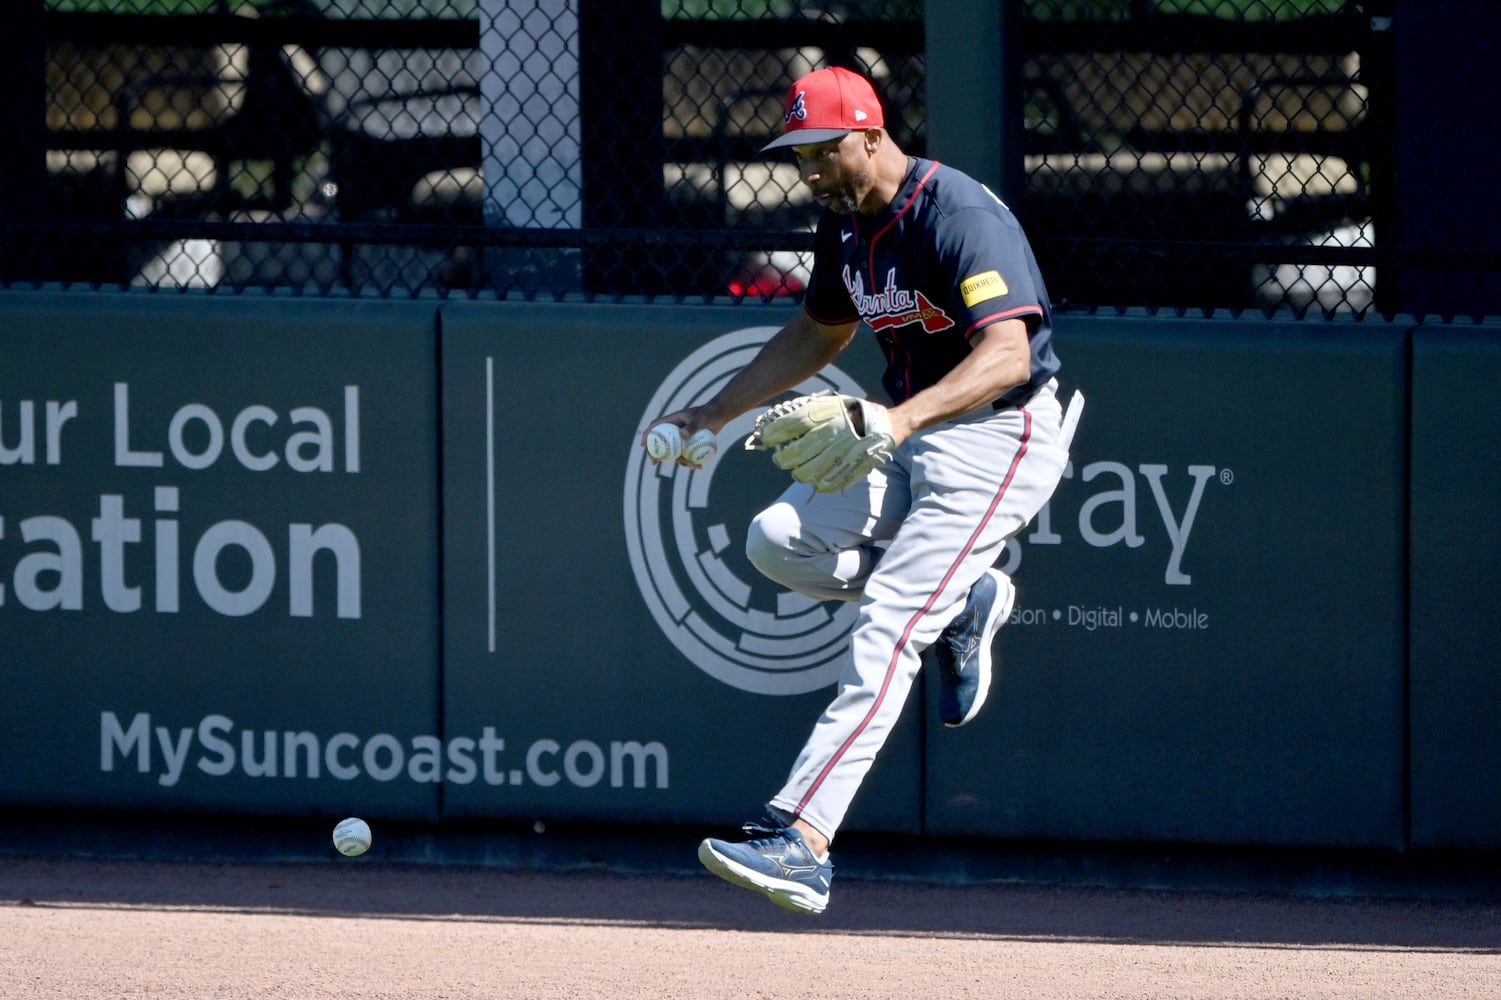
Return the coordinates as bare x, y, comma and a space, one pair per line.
81, 927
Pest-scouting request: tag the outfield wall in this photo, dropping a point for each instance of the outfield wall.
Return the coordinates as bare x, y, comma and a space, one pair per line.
405, 560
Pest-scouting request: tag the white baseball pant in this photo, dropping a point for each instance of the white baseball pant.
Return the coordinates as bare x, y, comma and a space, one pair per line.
908, 543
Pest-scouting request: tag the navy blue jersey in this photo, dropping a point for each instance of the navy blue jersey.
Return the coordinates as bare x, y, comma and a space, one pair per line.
946, 258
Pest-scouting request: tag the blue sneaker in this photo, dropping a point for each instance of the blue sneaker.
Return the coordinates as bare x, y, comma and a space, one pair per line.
777, 862
963, 650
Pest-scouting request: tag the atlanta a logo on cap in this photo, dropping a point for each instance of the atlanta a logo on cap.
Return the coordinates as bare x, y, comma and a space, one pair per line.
797, 109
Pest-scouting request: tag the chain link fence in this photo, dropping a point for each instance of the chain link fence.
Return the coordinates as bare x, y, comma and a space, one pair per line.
1215, 154
1196, 154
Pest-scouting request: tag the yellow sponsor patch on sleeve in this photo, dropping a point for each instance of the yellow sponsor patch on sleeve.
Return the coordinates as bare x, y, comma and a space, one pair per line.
982, 286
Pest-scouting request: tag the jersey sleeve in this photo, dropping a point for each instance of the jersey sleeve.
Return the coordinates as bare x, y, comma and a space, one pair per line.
985, 256
828, 299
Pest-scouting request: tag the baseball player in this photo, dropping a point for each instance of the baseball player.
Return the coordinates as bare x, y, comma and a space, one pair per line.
903, 508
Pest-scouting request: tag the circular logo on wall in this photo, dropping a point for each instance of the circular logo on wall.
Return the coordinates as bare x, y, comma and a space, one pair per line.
685, 531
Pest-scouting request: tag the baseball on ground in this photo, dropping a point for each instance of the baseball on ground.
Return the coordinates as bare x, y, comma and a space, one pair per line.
352, 837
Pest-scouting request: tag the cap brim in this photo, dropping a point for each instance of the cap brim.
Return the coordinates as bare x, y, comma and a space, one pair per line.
806, 137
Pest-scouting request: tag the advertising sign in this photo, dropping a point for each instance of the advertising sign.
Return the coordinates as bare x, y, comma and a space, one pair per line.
218, 555
1207, 643
604, 631
1456, 551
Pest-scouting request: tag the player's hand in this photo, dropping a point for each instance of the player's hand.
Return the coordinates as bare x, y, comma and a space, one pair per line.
682, 438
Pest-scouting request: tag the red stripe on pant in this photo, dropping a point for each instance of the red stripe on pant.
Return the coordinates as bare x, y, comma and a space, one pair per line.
907, 632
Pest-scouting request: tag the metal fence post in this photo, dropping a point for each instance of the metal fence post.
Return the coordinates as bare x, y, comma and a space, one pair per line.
23, 170
974, 102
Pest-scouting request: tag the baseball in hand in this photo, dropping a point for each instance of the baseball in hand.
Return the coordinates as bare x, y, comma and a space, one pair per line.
700, 447
664, 443
352, 837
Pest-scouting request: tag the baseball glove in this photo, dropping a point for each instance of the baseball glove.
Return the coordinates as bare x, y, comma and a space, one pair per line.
817, 439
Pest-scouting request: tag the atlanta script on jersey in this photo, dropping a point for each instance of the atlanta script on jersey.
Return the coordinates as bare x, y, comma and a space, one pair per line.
946, 258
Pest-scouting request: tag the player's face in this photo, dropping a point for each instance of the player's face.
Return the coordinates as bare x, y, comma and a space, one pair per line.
837, 171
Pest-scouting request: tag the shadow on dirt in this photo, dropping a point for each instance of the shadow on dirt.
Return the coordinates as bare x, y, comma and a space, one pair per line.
623, 876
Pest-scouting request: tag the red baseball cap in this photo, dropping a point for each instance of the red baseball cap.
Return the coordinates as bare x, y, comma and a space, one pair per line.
827, 104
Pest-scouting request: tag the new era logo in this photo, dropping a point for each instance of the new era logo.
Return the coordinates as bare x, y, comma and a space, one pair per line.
860, 116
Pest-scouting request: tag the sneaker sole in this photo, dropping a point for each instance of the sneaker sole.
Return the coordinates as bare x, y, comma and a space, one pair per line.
788, 895
999, 613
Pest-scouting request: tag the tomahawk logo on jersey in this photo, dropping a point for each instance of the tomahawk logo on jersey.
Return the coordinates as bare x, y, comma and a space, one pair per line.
959, 265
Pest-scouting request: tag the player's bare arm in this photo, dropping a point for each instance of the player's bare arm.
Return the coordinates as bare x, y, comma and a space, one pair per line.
800, 349
999, 361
